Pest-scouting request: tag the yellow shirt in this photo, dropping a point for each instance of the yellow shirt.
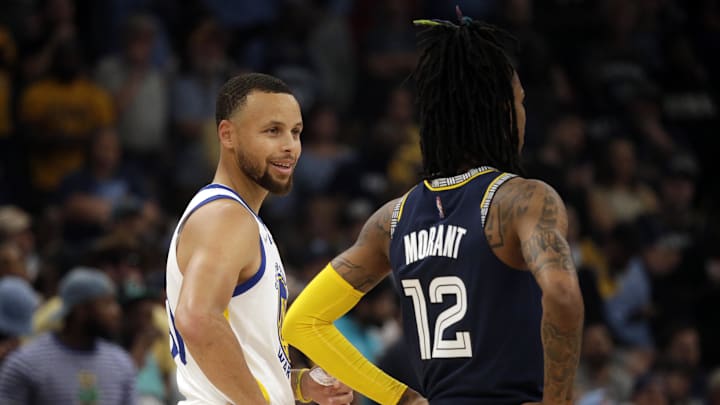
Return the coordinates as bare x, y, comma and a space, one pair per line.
68, 110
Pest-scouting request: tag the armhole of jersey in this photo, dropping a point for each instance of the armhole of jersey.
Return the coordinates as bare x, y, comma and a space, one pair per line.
397, 213
184, 219
490, 193
250, 283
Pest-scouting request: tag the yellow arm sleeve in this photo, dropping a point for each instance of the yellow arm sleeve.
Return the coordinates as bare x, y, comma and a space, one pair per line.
309, 327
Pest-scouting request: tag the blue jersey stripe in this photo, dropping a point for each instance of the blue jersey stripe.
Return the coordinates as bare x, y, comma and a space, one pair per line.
250, 283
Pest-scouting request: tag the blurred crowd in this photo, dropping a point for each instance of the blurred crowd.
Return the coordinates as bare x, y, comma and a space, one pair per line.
107, 129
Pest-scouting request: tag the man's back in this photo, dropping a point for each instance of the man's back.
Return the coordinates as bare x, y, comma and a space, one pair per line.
47, 372
472, 323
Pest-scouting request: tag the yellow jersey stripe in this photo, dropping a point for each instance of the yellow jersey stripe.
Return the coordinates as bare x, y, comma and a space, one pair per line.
456, 184
490, 193
263, 390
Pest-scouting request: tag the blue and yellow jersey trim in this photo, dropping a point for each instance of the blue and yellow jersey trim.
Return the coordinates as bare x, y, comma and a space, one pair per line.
449, 183
397, 212
490, 193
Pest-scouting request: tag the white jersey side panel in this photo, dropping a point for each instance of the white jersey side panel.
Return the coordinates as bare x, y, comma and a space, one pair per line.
255, 314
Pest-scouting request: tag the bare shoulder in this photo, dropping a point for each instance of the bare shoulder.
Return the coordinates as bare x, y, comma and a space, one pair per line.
377, 227
519, 204
217, 229
543, 231
511, 201
367, 262
545, 208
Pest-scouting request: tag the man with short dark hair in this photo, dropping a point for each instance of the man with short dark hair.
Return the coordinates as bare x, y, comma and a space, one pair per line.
226, 284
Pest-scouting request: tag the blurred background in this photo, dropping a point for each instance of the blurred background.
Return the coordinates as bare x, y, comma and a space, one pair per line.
107, 129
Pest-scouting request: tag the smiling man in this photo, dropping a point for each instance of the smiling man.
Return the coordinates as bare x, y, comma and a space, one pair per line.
225, 281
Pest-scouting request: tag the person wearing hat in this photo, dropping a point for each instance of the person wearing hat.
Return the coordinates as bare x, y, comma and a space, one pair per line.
18, 302
75, 365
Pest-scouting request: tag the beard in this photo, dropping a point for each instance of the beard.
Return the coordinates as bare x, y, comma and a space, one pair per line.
99, 329
263, 178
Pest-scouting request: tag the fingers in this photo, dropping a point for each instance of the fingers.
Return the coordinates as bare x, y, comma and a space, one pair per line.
335, 395
342, 399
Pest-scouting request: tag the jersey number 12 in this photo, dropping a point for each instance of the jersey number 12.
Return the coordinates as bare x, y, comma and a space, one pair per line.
441, 348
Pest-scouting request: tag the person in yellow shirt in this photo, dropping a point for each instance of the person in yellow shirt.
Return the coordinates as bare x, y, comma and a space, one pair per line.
59, 115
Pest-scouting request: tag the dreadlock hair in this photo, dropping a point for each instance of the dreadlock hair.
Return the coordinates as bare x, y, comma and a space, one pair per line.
234, 92
465, 98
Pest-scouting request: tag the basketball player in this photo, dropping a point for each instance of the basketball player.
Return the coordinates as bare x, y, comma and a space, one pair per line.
226, 284
490, 298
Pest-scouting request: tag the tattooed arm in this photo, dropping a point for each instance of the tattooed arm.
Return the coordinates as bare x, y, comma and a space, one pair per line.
309, 322
541, 230
367, 262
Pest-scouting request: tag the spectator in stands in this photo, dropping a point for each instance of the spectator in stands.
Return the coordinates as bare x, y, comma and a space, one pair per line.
683, 351
18, 301
192, 111
649, 389
76, 364
600, 368
140, 337
61, 113
16, 227
11, 260
620, 195
714, 388
626, 289
140, 92
91, 195
51, 25
323, 151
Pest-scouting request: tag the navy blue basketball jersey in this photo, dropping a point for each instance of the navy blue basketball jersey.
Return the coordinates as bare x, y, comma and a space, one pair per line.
471, 323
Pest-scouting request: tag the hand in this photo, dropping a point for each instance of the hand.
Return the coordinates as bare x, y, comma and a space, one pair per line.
335, 394
412, 397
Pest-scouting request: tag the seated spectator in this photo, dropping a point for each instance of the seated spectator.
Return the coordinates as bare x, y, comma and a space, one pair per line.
60, 114
16, 227
91, 195
677, 380
682, 350
139, 90
649, 390
76, 364
714, 388
18, 301
620, 195
627, 290
140, 336
11, 260
600, 368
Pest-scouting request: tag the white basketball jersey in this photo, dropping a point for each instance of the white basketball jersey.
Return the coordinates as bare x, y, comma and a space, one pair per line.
255, 313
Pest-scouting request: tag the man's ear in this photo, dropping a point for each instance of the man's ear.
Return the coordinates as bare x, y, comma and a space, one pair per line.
225, 131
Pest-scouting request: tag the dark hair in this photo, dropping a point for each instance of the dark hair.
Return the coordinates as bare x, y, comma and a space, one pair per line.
465, 98
235, 91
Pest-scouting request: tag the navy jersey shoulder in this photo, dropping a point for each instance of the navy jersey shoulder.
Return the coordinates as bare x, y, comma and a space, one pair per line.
471, 323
